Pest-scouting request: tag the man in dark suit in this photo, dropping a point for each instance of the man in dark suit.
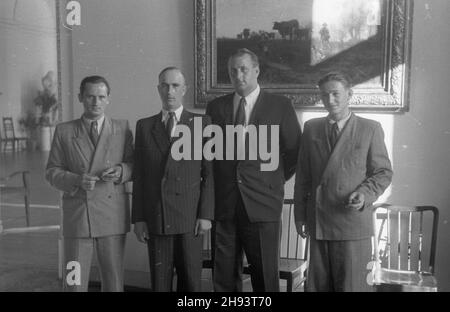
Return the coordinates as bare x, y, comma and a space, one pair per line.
89, 161
343, 168
173, 200
249, 200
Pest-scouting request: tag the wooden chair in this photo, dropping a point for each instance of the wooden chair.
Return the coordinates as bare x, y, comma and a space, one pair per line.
10, 135
405, 248
22, 190
293, 251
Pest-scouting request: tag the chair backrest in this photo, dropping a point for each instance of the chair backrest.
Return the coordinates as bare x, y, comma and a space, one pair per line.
8, 128
292, 246
405, 237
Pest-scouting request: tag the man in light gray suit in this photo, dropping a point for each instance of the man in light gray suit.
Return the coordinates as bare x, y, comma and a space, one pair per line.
90, 159
343, 168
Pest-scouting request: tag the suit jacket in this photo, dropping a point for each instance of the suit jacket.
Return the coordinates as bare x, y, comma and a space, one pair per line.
325, 178
262, 191
105, 210
168, 194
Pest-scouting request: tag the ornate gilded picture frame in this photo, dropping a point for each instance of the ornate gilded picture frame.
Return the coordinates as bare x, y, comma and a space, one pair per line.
298, 41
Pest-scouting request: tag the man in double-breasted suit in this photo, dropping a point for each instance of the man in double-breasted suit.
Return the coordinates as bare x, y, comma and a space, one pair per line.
343, 168
89, 161
249, 199
173, 200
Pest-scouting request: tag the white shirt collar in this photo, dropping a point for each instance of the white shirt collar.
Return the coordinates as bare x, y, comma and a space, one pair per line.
251, 101
99, 123
341, 123
165, 114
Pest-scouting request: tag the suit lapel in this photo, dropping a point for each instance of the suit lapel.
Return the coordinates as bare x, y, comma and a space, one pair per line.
345, 143
228, 111
82, 142
102, 146
320, 141
347, 137
160, 135
258, 110
186, 118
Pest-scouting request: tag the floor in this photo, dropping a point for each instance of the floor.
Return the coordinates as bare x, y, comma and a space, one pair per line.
29, 256
29, 259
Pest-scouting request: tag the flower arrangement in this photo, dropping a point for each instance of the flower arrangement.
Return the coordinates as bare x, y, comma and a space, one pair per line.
29, 125
29, 122
48, 107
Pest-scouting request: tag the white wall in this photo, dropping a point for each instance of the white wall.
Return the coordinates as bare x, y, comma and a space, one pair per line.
421, 138
130, 44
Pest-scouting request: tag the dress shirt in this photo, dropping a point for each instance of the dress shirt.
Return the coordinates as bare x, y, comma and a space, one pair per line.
87, 122
250, 99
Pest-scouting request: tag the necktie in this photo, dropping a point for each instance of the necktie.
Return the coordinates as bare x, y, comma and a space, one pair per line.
170, 124
240, 120
240, 114
334, 134
94, 132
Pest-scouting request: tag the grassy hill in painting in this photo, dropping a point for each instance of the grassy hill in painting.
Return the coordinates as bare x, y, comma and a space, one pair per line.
303, 61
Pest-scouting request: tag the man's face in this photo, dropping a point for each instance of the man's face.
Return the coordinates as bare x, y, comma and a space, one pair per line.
336, 97
95, 98
172, 88
243, 74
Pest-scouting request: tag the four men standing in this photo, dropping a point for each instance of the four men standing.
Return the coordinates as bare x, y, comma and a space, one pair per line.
342, 167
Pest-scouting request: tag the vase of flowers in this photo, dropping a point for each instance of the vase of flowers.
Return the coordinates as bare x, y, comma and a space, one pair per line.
29, 125
47, 108
47, 104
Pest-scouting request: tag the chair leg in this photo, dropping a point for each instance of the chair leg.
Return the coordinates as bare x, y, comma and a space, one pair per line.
289, 284
27, 210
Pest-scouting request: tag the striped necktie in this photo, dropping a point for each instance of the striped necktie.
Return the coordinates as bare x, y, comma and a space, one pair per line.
170, 124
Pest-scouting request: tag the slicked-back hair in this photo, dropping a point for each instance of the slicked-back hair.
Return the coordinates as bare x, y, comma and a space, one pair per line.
93, 80
336, 76
242, 52
171, 68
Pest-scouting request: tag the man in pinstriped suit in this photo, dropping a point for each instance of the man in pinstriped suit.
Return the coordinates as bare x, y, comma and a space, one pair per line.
173, 201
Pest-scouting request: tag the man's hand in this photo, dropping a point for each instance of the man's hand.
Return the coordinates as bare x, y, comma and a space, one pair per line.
87, 182
141, 231
301, 228
112, 174
201, 226
355, 201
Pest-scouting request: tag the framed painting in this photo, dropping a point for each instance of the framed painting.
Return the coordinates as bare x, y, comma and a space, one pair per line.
298, 41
